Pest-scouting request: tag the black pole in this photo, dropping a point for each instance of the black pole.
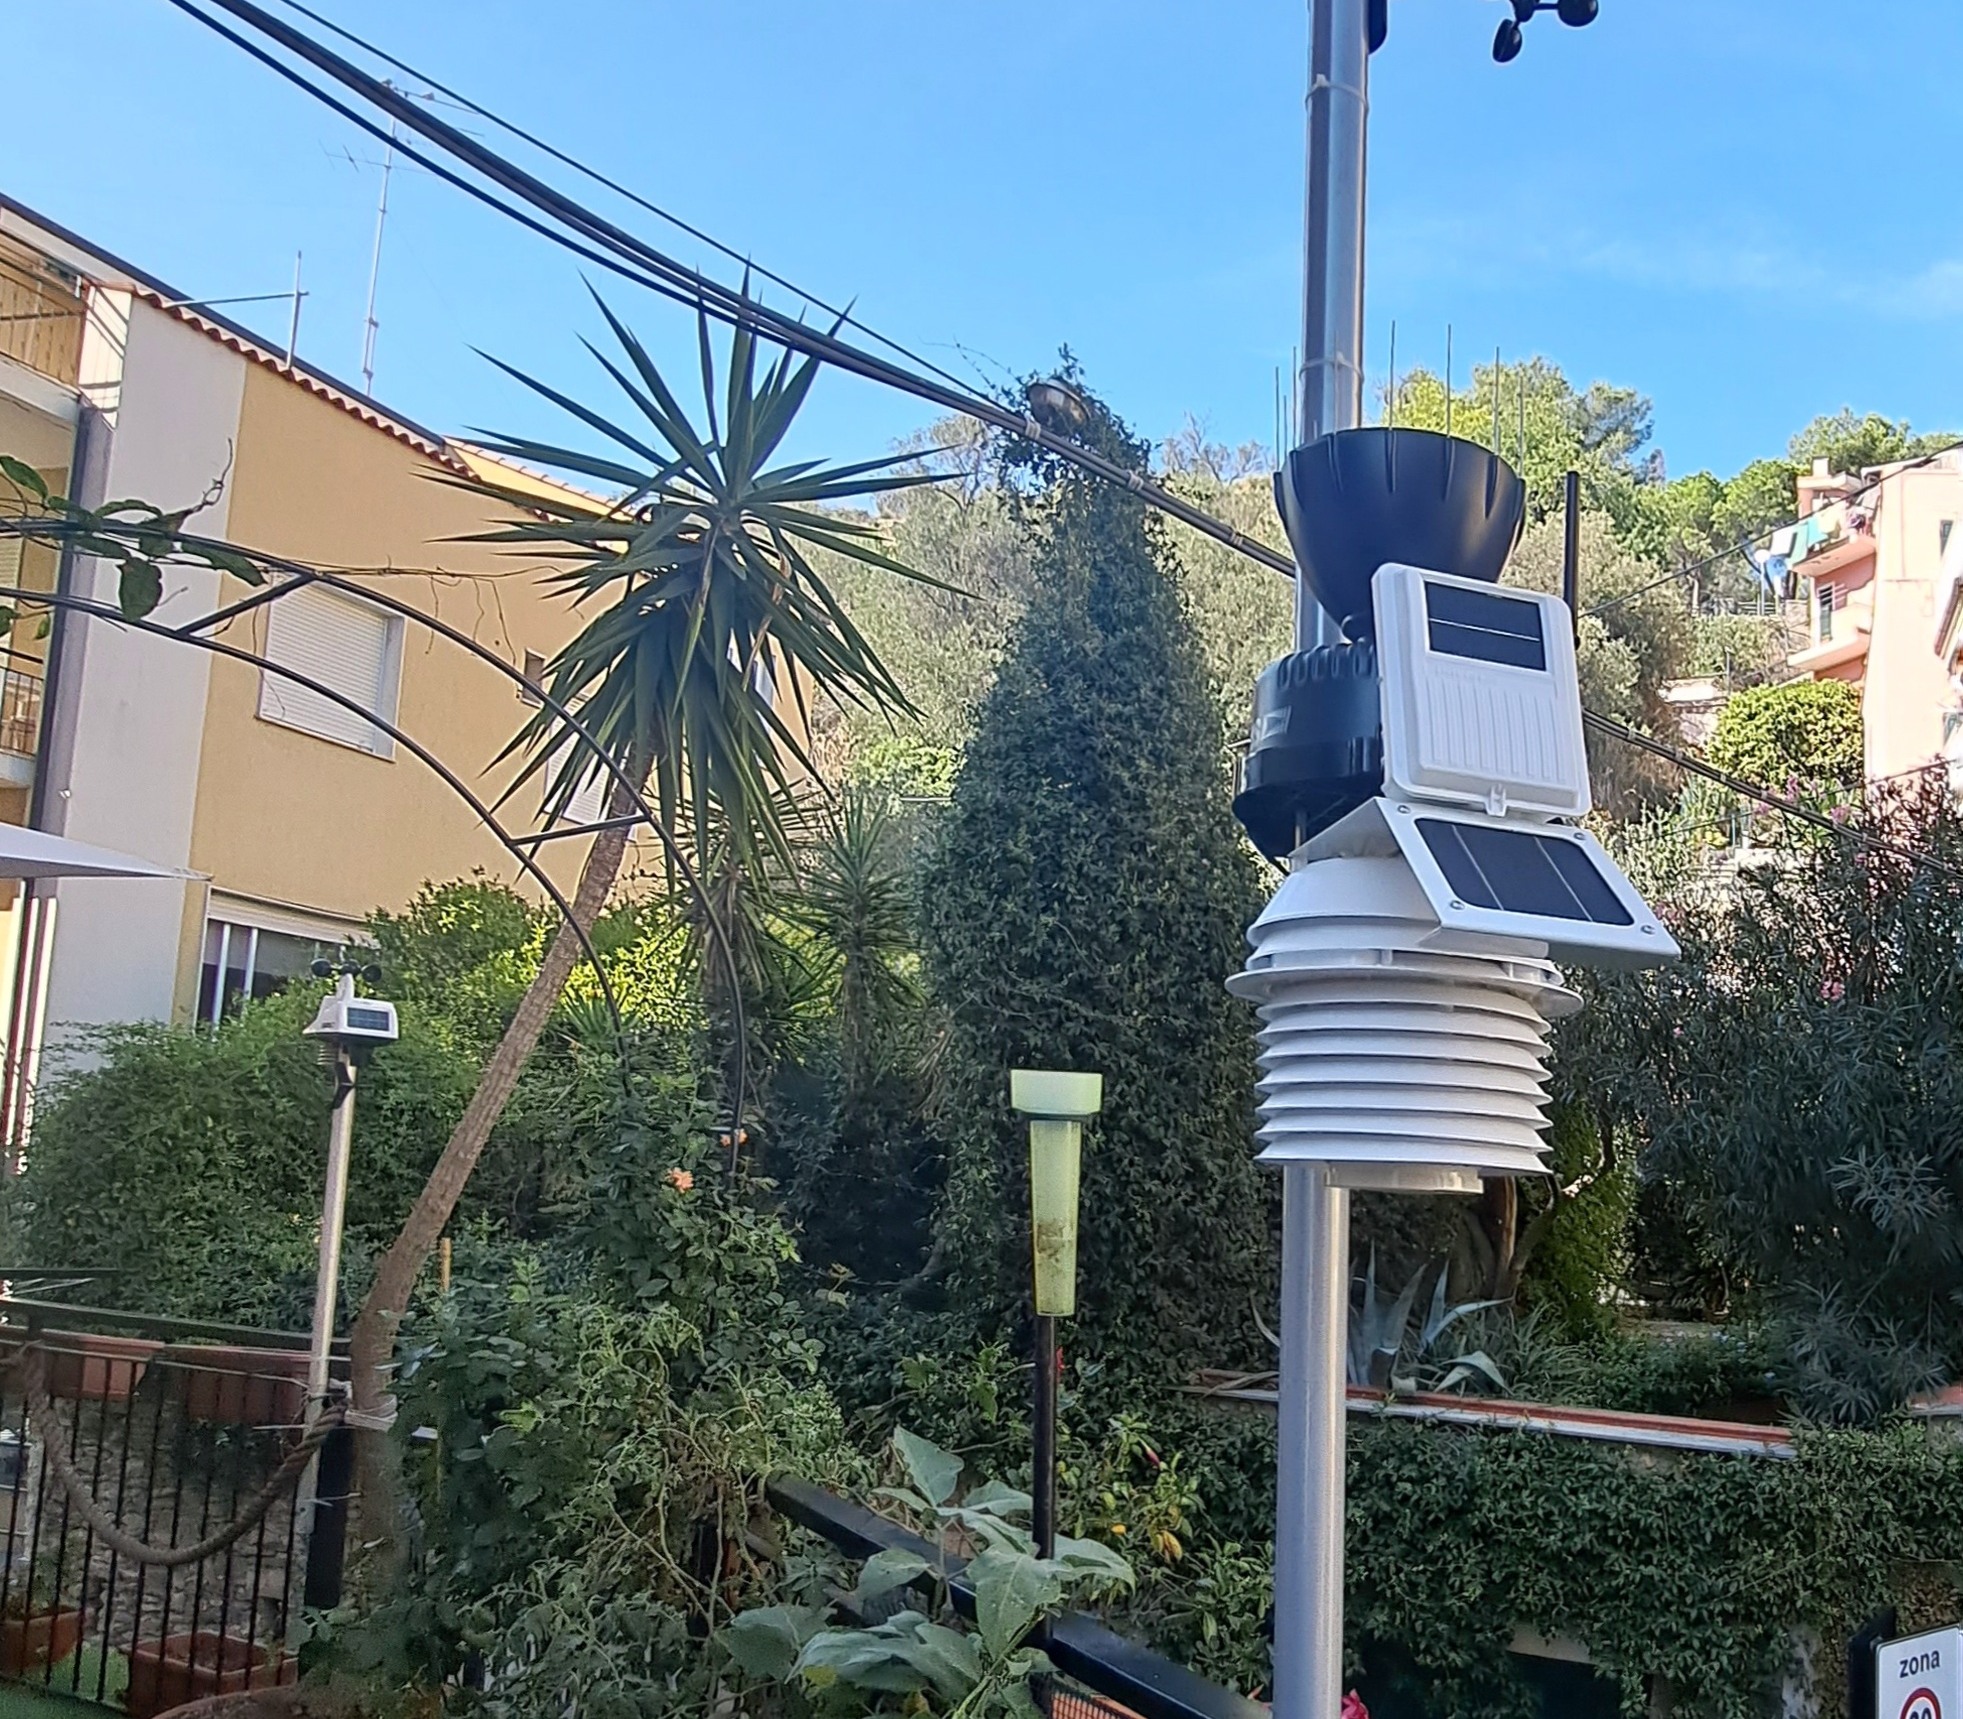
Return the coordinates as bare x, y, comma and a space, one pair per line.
1571, 548
1861, 1679
327, 1540
1043, 1458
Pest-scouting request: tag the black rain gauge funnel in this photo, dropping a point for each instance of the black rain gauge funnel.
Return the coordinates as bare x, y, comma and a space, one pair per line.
1357, 499
1354, 501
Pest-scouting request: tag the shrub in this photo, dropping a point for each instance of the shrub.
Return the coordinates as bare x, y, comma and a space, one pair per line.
1804, 732
1083, 907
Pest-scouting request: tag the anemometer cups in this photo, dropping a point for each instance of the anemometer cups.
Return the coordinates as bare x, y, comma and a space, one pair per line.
1358, 499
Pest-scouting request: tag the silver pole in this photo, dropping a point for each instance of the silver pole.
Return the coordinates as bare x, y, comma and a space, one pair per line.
1315, 1230
333, 1219
1330, 383
1315, 1274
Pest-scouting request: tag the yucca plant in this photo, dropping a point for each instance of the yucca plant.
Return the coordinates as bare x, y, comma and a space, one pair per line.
708, 624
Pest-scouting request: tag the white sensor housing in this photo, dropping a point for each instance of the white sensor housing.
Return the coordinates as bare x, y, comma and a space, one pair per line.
1481, 700
353, 1020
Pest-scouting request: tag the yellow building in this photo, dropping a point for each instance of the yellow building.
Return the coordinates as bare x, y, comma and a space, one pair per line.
300, 817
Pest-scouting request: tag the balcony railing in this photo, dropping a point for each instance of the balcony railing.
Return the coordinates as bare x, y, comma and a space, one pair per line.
41, 315
20, 710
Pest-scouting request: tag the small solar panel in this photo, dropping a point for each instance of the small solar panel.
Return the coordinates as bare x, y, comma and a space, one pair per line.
1484, 626
1522, 871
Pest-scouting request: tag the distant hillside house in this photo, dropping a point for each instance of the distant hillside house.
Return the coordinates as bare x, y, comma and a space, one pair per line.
1872, 554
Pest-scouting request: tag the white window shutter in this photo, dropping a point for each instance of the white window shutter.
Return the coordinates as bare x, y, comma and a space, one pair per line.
343, 643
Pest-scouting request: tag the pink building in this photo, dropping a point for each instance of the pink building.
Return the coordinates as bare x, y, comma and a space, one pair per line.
1871, 555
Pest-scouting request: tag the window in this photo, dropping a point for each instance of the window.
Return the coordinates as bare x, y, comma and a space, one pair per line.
1943, 528
534, 677
342, 643
1825, 599
251, 961
588, 804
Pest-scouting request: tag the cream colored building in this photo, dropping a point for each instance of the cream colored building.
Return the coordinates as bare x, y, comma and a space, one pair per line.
303, 818
1869, 554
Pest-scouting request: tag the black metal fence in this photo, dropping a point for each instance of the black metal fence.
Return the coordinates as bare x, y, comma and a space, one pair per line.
171, 1431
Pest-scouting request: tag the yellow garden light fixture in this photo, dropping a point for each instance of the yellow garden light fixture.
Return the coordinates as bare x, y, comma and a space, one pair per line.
1058, 1104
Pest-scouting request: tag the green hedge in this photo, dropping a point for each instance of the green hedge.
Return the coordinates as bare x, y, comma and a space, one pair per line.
1703, 1570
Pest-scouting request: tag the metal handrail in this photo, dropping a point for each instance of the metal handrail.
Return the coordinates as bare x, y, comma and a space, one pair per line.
35, 1315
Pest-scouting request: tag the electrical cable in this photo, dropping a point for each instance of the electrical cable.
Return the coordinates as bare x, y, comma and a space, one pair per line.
458, 99
1764, 796
632, 258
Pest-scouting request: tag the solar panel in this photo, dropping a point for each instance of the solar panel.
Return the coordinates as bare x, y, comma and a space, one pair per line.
1522, 871
1484, 626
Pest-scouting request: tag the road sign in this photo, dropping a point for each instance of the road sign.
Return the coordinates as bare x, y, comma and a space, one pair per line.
1920, 1676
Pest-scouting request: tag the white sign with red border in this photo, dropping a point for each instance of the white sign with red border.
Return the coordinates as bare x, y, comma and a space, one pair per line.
1920, 1676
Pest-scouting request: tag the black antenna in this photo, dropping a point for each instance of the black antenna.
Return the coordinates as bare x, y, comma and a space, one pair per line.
1390, 414
1448, 379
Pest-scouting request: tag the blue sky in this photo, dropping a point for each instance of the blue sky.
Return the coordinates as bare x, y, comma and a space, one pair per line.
1748, 209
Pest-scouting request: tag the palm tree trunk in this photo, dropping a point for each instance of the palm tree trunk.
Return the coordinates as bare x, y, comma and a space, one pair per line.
371, 1342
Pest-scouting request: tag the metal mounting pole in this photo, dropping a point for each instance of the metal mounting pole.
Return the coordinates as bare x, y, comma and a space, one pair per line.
1329, 386
333, 1219
1315, 1232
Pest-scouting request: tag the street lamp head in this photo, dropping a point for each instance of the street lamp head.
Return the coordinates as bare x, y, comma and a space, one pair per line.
1057, 406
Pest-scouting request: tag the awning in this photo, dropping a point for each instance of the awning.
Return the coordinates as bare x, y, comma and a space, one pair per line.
35, 853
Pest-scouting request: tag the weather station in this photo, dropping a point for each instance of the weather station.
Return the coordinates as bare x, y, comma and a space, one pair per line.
1417, 767
349, 1027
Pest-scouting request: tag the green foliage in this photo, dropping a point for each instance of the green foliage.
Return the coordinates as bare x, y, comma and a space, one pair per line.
1582, 1253
1388, 1352
1851, 442
141, 538
942, 637
1797, 1078
1600, 431
930, 1664
702, 591
1698, 1570
589, 1504
1083, 906
129, 1149
1804, 734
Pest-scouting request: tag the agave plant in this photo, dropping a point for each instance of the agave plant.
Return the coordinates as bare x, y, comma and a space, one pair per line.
1385, 1354
710, 628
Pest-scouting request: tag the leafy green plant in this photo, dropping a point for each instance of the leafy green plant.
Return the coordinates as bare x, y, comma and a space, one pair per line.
924, 1655
706, 612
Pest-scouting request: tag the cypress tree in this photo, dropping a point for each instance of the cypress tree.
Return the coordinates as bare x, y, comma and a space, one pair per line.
1085, 901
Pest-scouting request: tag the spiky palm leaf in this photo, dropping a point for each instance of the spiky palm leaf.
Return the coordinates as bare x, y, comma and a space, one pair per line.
708, 609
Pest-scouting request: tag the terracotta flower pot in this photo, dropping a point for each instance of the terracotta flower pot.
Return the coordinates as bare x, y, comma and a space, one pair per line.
242, 1387
40, 1638
170, 1671
95, 1367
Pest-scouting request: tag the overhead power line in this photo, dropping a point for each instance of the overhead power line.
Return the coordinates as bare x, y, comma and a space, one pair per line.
623, 253
1764, 796
512, 128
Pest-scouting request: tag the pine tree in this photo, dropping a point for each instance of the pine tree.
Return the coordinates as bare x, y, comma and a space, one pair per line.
1085, 903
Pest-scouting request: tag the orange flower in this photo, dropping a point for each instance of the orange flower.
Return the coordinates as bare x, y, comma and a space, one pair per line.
681, 1179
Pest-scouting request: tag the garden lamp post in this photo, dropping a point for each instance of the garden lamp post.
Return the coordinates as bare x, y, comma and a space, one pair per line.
1057, 1104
